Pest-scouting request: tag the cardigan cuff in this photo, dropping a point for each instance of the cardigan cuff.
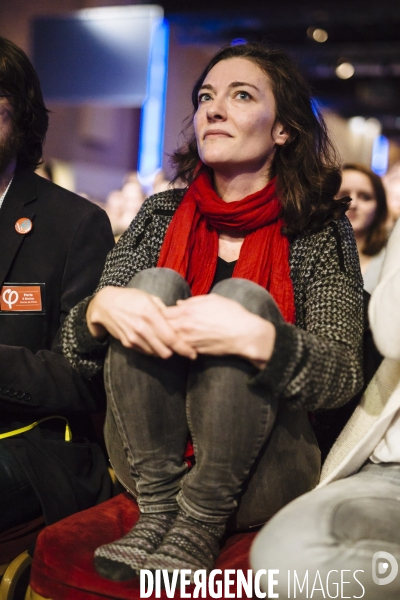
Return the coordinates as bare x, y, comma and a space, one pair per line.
85, 343
278, 371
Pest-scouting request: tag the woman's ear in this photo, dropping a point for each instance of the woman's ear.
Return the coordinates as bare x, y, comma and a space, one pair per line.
280, 133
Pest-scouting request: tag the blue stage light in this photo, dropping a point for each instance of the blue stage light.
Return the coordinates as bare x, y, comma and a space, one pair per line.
238, 41
153, 111
380, 155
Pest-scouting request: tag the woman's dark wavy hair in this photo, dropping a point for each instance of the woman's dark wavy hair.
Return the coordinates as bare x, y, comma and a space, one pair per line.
377, 233
18, 77
307, 169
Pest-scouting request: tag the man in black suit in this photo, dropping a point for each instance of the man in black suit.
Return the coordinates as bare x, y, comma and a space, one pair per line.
53, 245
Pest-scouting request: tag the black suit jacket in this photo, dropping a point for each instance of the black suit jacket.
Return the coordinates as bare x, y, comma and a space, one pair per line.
65, 252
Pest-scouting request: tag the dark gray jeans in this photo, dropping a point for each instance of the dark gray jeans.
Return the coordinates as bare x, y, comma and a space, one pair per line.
252, 455
342, 532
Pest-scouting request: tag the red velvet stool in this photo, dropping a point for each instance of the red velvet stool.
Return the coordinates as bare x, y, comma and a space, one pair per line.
62, 567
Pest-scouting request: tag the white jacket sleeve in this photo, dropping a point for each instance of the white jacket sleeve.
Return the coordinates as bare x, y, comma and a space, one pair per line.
384, 307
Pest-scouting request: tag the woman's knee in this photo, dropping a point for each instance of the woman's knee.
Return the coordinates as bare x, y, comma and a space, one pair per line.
250, 295
162, 282
295, 540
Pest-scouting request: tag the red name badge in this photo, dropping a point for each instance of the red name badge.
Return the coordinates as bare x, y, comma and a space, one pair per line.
20, 298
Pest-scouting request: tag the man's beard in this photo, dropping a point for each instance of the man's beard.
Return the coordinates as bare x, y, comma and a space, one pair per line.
9, 148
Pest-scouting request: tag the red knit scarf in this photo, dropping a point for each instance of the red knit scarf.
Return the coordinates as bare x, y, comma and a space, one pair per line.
191, 243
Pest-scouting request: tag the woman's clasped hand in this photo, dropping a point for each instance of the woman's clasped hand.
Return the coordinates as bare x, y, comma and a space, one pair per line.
137, 320
215, 325
208, 324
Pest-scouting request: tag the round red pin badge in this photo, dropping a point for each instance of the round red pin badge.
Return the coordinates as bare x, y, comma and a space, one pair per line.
23, 226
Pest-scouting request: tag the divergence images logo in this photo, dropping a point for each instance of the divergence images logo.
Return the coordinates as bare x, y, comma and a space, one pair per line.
380, 568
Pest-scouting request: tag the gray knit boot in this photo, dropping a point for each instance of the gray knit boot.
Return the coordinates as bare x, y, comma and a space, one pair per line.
123, 559
189, 544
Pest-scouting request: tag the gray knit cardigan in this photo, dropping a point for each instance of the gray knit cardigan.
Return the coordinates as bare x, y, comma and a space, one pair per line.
315, 364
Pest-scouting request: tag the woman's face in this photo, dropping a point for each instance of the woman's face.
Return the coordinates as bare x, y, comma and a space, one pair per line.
363, 204
235, 121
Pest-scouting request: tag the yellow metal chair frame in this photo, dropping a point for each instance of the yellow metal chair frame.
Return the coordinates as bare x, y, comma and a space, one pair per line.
12, 574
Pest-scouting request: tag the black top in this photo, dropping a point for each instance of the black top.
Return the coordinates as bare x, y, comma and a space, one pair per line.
224, 270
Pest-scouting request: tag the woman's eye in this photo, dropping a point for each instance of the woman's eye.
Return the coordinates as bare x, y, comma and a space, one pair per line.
243, 95
204, 97
366, 197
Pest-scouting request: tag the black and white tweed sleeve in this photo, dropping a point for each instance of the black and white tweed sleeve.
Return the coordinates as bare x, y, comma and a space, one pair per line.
137, 249
318, 363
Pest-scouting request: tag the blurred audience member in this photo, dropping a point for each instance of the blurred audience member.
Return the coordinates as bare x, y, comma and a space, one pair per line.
392, 185
133, 199
114, 207
161, 183
123, 205
368, 216
131, 176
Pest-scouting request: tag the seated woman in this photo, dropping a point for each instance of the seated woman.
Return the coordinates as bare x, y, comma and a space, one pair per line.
368, 215
238, 368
